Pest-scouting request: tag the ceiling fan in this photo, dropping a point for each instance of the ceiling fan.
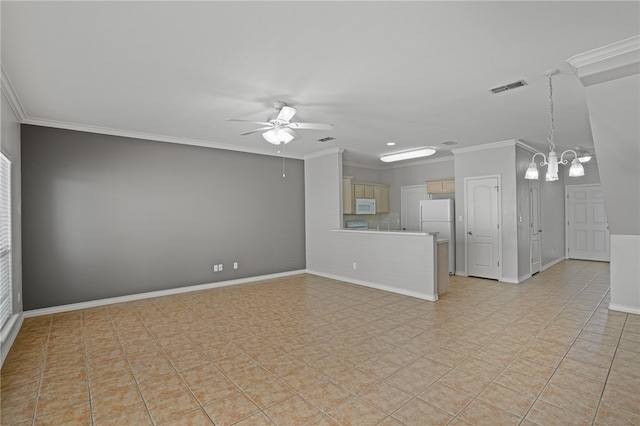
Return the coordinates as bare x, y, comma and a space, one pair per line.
280, 129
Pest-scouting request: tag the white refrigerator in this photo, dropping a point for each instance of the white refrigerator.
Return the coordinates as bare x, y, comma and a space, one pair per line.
439, 216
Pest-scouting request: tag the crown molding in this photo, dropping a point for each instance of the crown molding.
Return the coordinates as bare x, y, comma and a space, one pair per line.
323, 153
526, 147
492, 145
152, 137
10, 93
610, 62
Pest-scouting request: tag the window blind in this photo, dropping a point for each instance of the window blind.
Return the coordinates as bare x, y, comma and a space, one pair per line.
5, 239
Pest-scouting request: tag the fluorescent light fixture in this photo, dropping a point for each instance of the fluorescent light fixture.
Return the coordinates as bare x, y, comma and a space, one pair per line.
407, 155
391, 143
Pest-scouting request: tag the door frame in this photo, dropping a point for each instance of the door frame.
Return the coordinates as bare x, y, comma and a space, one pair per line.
466, 222
536, 184
566, 218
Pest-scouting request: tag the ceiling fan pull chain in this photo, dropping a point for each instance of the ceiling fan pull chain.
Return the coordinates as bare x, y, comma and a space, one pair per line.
283, 172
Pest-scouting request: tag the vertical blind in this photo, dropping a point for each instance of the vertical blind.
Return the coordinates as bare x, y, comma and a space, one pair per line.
5, 239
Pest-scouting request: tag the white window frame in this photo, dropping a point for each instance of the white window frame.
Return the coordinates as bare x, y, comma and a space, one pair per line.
5, 241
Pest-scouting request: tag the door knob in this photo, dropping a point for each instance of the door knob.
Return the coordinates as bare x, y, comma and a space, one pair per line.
470, 233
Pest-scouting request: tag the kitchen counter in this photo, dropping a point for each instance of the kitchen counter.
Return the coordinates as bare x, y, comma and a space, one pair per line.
384, 231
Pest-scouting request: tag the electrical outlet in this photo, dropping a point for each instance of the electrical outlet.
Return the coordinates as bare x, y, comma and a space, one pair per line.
355, 265
220, 267
235, 265
215, 268
19, 296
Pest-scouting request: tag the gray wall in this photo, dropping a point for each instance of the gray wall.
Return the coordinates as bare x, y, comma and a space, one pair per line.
108, 216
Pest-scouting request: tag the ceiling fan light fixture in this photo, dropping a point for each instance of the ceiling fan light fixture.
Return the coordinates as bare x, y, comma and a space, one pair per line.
407, 155
277, 137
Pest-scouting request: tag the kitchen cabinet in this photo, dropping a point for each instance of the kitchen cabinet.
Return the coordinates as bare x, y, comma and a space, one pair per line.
445, 186
381, 195
347, 195
377, 191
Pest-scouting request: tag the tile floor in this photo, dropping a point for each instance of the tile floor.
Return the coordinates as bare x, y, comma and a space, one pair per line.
306, 350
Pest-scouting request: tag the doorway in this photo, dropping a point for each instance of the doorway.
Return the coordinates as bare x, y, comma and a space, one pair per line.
587, 226
535, 226
483, 226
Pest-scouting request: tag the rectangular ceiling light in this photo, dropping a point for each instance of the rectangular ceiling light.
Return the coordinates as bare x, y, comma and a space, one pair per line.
407, 155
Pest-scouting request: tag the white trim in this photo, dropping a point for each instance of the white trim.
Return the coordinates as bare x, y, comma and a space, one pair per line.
152, 294
382, 287
526, 147
608, 62
461, 274
524, 278
10, 93
152, 137
323, 153
492, 145
510, 280
624, 308
9, 334
552, 263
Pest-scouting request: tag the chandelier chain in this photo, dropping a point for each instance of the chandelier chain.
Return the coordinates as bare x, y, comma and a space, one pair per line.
550, 137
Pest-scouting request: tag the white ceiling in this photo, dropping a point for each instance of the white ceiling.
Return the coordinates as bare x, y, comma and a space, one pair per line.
415, 73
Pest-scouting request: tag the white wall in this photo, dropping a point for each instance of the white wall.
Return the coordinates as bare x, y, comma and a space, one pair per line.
486, 160
611, 76
400, 263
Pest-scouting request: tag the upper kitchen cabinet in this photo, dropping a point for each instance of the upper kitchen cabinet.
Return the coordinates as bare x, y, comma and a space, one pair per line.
381, 195
363, 190
347, 195
446, 186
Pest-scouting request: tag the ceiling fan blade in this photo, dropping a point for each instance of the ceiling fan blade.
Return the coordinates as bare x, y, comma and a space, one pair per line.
291, 132
263, 123
310, 126
286, 113
261, 129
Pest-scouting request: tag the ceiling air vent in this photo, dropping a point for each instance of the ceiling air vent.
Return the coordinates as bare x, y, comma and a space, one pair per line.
449, 143
509, 86
327, 139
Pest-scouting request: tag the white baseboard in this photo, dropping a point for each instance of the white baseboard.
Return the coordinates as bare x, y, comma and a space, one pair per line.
461, 273
9, 334
553, 262
524, 278
376, 286
151, 294
623, 308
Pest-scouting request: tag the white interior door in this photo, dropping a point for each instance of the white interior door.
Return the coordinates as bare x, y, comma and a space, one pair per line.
410, 197
535, 226
483, 227
587, 227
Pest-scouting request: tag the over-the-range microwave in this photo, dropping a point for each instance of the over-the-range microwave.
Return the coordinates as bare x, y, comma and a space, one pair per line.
365, 206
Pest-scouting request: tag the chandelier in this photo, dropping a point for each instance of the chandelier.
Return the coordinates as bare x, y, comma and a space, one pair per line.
552, 161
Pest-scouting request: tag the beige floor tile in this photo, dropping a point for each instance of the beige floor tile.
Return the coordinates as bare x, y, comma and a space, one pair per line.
258, 419
481, 413
385, 397
112, 404
269, 392
543, 413
446, 398
231, 409
79, 414
419, 413
212, 390
292, 412
409, 381
565, 398
356, 411
464, 381
612, 415
507, 399
137, 415
326, 395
